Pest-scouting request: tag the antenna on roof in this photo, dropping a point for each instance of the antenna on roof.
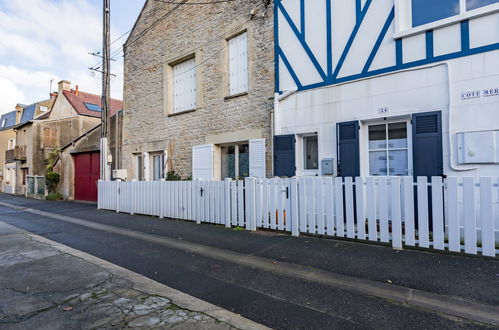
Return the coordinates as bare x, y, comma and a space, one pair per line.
50, 88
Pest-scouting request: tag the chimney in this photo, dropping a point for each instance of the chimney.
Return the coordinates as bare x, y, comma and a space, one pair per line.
53, 95
64, 85
76, 90
19, 113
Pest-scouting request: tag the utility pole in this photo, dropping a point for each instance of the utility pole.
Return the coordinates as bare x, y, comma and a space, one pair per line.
105, 169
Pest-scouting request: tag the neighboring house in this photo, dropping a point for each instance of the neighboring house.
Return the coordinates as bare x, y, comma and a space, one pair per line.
198, 90
79, 161
387, 87
73, 113
9, 150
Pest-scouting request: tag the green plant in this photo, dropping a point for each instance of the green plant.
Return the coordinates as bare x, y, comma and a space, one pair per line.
51, 180
55, 197
51, 159
172, 176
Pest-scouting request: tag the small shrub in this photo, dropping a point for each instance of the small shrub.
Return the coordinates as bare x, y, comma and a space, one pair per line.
55, 197
172, 176
51, 180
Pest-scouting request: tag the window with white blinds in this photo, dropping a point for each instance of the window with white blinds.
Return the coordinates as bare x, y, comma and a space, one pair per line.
238, 64
184, 86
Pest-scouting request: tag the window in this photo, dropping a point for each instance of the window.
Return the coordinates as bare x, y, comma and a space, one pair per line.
474, 4
414, 16
139, 167
4, 121
388, 149
11, 144
311, 152
427, 11
92, 107
184, 86
43, 108
49, 137
238, 64
235, 161
158, 166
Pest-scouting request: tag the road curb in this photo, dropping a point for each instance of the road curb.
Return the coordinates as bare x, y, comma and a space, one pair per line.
144, 284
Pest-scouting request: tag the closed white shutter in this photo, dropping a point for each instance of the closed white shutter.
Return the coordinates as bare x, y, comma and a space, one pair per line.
238, 64
184, 86
202, 162
257, 159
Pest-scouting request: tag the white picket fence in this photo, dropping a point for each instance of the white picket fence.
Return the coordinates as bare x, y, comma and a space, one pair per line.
454, 214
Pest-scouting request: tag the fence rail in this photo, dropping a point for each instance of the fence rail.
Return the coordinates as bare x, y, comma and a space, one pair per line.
452, 214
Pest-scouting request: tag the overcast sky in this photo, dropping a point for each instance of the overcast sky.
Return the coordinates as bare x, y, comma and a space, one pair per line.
42, 40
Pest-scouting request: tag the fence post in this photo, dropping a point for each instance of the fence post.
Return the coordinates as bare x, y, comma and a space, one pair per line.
118, 196
294, 198
132, 197
228, 200
161, 198
250, 203
99, 194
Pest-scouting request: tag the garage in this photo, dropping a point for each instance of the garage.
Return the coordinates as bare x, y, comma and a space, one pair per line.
87, 166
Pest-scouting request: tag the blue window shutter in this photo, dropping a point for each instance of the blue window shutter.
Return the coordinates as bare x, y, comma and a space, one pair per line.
427, 144
348, 149
284, 155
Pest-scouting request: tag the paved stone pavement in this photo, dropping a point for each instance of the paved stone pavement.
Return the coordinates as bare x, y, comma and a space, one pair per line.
44, 288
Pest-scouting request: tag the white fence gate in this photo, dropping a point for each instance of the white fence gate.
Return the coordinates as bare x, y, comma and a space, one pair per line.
453, 214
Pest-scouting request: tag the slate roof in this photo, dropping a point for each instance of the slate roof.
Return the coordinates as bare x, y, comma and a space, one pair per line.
28, 113
83, 102
10, 120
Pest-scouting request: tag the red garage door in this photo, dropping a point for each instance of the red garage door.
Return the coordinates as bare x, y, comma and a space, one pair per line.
86, 176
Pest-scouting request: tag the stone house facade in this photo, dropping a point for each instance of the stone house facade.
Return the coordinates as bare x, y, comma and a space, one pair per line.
199, 82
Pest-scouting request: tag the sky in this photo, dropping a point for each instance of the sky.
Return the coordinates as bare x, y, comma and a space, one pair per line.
41, 40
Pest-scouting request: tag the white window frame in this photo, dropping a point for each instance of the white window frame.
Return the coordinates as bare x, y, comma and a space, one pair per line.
365, 166
238, 71
236, 157
152, 155
403, 18
300, 154
138, 169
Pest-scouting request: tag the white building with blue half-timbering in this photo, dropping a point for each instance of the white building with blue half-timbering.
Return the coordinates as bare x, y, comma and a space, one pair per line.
387, 87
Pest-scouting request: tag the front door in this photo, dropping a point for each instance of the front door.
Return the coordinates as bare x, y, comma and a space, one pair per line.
86, 176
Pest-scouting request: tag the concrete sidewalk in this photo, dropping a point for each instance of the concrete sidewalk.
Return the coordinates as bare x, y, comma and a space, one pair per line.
46, 285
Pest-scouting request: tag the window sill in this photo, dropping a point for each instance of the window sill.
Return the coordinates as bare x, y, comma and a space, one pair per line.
180, 113
230, 97
487, 10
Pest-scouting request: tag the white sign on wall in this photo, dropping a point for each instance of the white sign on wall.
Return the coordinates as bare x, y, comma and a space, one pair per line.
470, 95
491, 92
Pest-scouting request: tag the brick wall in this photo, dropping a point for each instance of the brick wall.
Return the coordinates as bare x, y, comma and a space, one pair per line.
202, 30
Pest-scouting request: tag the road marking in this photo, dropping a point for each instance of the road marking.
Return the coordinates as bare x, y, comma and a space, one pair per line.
455, 306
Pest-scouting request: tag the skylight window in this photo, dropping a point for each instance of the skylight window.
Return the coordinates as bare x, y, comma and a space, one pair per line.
4, 121
93, 107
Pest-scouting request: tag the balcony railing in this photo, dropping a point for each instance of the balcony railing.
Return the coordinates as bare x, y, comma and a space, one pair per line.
18, 153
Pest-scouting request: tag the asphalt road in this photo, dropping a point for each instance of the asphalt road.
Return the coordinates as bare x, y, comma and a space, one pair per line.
274, 300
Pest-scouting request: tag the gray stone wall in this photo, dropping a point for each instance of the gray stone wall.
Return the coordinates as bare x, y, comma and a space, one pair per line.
202, 30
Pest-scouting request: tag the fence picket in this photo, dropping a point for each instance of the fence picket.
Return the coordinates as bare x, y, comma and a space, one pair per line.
453, 215
240, 203
423, 226
383, 210
329, 202
349, 213
409, 227
339, 215
287, 204
371, 209
469, 213
265, 193
295, 230
310, 184
273, 204
437, 212
280, 204
302, 205
359, 198
487, 217
396, 213
319, 186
